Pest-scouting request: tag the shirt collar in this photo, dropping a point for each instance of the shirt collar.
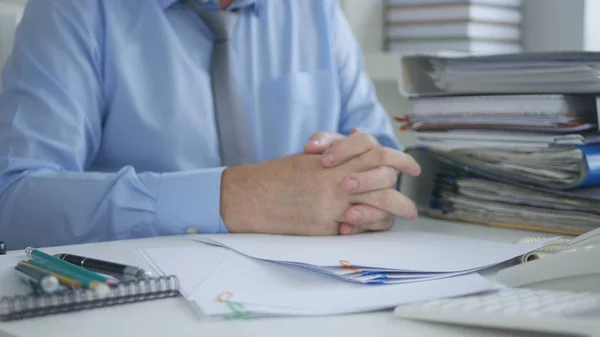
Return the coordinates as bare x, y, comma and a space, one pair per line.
213, 5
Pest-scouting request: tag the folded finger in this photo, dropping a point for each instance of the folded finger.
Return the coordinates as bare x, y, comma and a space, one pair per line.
362, 215
385, 156
320, 141
377, 226
349, 229
381, 225
388, 200
354, 145
375, 179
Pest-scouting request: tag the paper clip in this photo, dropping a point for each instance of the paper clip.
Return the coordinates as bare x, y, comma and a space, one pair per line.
237, 308
346, 265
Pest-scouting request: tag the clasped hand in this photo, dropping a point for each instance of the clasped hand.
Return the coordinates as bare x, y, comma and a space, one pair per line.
374, 199
338, 185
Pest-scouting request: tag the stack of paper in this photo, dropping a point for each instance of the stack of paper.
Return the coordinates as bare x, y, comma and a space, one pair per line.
271, 275
517, 73
486, 201
470, 26
526, 120
551, 114
461, 139
559, 167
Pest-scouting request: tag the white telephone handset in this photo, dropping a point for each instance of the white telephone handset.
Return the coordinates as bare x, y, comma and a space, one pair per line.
563, 264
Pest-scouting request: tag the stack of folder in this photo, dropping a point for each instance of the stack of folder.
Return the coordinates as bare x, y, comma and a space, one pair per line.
515, 137
468, 26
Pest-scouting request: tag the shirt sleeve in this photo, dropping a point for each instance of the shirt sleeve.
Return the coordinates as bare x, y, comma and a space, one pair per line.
360, 106
51, 115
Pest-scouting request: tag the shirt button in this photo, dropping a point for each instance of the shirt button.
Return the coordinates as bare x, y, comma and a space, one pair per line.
191, 230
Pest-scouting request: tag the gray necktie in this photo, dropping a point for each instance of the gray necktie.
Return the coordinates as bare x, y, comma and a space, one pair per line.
236, 145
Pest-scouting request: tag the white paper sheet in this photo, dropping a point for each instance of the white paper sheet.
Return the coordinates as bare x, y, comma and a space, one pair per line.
402, 251
267, 288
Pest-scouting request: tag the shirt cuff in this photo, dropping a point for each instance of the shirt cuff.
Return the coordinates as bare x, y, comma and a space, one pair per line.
190, 199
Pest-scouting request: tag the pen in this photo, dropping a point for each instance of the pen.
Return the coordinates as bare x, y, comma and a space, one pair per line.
37, 278
40, 255
100, 288
107, 267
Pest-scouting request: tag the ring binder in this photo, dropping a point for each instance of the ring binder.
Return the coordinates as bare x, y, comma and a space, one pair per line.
31, 305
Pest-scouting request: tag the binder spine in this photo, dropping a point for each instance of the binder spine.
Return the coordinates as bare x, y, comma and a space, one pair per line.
31, 305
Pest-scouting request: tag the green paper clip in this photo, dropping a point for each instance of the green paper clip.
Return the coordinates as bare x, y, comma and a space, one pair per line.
238, 310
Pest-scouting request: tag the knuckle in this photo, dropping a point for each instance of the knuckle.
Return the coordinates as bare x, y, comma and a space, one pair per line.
317, 136
383, 155
391, 176
387, 199
368, 139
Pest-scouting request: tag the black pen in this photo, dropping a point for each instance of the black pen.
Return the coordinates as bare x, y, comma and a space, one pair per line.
105, 267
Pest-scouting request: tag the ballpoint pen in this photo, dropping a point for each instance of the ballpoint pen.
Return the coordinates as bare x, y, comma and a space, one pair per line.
110, 268
37, 254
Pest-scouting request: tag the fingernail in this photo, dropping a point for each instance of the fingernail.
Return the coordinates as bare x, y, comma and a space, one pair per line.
416, 171
351, 184
328, 158
345, 229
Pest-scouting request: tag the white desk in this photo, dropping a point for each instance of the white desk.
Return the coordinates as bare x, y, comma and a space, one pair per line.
172, 317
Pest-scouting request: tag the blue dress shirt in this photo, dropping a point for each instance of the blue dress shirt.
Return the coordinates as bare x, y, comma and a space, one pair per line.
107, 128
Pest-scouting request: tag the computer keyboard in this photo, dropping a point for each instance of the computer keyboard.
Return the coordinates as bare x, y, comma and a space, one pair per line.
514, 309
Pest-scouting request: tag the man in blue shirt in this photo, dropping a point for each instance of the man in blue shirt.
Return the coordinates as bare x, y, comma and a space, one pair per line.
107, 125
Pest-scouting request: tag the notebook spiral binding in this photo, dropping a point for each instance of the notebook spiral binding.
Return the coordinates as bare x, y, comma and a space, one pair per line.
31, 305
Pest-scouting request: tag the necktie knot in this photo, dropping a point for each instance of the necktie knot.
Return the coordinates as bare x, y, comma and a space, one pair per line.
221, 23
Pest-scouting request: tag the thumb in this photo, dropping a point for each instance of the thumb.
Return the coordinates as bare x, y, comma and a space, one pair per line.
320, 141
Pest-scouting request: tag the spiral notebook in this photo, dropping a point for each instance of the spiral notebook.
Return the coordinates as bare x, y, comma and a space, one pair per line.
17, 301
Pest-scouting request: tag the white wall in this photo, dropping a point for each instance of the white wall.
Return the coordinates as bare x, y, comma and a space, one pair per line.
553, 24
561, 25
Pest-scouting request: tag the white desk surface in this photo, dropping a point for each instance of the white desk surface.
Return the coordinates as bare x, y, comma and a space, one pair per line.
172, 317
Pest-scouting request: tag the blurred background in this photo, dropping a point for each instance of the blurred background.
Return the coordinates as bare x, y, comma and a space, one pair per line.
387, 28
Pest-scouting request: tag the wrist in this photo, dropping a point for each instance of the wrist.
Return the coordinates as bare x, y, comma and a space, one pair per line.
234, 208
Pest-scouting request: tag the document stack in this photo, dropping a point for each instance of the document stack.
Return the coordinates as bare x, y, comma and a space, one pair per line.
260, 275
468, 26
514, 137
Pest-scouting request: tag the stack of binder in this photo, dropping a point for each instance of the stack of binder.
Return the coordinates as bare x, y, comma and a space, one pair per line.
514, 138
469, 26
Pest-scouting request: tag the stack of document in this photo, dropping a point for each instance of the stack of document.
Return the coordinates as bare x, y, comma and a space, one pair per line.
515, 73
554, 114
489, 202
524, 123
558, 167
460, 139
469, 26
256, 275
553, 189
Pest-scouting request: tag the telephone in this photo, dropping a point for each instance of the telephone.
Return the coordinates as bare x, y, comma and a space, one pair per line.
562, 264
